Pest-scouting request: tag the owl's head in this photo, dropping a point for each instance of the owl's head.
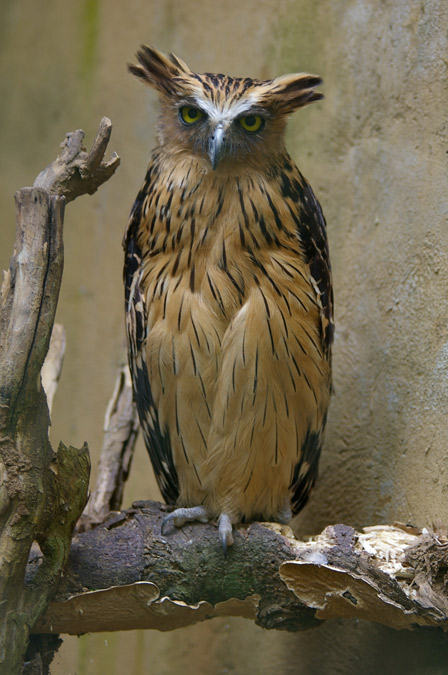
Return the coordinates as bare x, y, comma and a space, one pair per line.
219, 118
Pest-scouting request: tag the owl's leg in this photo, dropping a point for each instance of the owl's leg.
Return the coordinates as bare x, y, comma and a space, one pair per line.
185, 515
225, 531
285, 515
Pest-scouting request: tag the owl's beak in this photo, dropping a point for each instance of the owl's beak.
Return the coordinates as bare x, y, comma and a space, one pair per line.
216, 144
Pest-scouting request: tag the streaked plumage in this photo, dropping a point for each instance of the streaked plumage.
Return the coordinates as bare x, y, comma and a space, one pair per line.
228, 298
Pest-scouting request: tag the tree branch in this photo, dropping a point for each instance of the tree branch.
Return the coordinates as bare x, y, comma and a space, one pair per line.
124, 574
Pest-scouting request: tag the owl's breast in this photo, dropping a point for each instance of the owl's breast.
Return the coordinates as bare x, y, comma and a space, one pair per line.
233, 340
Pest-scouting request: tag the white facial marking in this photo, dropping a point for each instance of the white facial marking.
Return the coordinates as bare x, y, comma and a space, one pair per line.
227, 112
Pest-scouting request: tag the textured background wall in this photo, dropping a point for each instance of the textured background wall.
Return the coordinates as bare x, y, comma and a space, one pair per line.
375, 151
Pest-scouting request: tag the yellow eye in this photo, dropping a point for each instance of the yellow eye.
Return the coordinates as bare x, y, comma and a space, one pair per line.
190, 115
252, 123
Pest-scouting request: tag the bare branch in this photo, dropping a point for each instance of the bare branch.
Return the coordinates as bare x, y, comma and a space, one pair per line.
34, 505
30, 290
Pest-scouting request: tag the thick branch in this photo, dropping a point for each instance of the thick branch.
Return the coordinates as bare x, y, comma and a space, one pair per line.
124, 574
30, 293
33, 506
42, 493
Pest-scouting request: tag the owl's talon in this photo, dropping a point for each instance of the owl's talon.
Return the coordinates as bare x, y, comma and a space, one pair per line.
185, 515
225, 532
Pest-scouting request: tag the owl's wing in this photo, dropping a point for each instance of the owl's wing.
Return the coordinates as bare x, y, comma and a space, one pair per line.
305, 472
157, 440
313, 236
311, 228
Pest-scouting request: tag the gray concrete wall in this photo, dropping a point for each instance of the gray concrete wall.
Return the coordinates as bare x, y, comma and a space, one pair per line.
375, 151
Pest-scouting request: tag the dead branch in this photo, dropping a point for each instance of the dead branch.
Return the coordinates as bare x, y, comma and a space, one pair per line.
42, 493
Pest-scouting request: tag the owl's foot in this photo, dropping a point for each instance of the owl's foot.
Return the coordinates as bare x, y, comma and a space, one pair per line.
187, 515
183, 515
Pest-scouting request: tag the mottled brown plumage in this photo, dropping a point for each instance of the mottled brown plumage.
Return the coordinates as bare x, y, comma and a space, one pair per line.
228, 299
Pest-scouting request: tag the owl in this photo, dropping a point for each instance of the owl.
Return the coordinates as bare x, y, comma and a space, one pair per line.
228, 299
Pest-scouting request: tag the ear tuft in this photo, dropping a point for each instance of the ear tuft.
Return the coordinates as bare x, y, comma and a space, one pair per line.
181, 65
158, 70
293, 91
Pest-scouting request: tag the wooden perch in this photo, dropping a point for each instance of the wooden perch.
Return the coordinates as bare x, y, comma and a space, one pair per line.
124, 575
